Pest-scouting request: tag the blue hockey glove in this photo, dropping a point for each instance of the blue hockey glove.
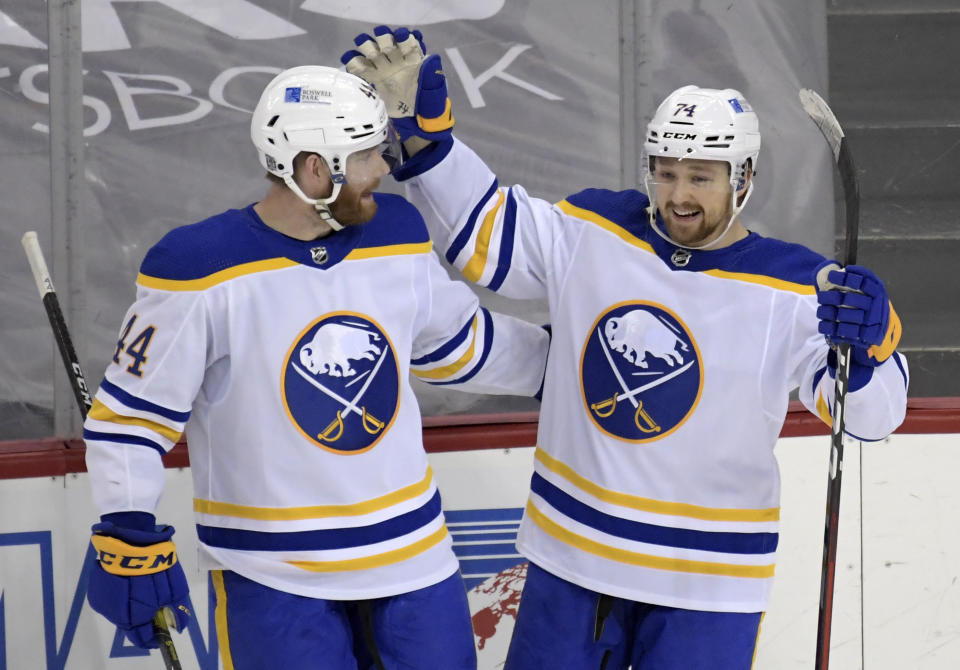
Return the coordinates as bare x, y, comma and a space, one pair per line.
137, 574
854, 309
412, 84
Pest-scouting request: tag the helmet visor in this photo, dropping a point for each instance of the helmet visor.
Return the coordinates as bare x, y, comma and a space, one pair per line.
699, 176
391, 149
368, 164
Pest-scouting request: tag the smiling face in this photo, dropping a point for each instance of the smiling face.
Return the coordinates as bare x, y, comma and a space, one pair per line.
693, 197
355, 203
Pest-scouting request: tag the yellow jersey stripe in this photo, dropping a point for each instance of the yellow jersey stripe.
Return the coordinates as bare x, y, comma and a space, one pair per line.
377, 560
822, 410
773, 282
390, 250
606, 224
217, 277
651, 505
474, 267
567, 536
223, 636
101, 412
453, 368
314, 511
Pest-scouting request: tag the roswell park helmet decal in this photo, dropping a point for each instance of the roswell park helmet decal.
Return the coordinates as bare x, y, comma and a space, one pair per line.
640, 372
340, 382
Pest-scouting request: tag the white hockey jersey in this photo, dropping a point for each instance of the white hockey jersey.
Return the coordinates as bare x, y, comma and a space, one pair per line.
288, 361
667, 383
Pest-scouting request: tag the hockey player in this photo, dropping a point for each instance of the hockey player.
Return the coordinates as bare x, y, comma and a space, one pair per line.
652, 521
280, 337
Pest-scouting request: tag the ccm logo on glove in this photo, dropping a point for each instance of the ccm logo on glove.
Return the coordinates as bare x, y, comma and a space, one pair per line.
119, 558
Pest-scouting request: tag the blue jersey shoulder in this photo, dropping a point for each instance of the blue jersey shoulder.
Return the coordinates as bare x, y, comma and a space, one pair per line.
774, 258
239, 236
627, 209
397, 221
201, 249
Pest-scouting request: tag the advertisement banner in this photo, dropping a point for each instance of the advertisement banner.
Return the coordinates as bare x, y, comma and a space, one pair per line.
554, 96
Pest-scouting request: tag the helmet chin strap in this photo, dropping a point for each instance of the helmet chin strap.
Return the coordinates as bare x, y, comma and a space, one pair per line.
735, 210
322, 205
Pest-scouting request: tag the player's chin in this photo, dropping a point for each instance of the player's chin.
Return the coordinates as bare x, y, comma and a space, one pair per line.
684, 233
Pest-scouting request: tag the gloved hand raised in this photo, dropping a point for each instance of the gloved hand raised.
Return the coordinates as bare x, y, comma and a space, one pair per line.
412, 84
854, 309
137, 573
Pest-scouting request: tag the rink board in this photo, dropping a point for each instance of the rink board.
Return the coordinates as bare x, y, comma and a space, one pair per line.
911, 559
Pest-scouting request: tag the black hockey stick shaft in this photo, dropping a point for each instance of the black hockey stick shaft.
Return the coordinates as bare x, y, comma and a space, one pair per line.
830, 127
81, 392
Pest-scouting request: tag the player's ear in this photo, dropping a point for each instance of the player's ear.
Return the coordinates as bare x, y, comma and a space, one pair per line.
747, 176
316, 176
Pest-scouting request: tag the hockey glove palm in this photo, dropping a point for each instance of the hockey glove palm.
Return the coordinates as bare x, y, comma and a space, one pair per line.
854, 309
412, 84
137, 573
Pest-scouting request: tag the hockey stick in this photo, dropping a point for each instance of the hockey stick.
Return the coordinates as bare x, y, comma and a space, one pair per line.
82, 392
827, 122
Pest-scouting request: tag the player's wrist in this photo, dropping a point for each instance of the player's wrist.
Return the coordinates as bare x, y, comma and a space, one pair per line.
860, 373
142, 536
135, 520
414, 145
424, 160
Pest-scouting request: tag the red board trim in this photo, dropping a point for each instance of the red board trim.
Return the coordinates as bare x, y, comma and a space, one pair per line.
55, 457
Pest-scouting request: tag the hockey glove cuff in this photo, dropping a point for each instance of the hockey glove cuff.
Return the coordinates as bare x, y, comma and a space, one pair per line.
137, 574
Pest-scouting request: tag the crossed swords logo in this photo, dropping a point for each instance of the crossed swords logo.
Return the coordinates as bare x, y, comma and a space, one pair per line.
334, 431
641, 416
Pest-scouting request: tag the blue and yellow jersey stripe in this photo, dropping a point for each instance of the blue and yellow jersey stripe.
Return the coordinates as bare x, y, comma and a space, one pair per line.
398, 497
238, 243
595, 218
492, 227
122, 418
645, 532
395, 529
651, 505
461, 357
776, 264
270, 264
641, 559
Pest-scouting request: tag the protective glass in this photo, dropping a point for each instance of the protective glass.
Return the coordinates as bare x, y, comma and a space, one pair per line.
367, 164
698, 177
391, 149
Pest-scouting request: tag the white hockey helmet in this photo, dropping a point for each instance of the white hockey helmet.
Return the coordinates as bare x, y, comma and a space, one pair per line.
705, 124
325, 111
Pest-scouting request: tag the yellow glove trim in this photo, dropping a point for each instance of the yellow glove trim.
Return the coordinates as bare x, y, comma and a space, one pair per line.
440, 123
119, 558
891, 339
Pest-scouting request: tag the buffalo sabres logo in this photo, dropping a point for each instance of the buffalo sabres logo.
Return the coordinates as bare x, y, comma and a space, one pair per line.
340, 382
640, 372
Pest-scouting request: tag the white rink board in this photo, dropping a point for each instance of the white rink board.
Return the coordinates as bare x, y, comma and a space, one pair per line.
911, 560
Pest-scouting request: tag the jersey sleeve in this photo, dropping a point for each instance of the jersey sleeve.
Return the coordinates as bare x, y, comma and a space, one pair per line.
463, 345
497, 237
144, 401
871, 411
